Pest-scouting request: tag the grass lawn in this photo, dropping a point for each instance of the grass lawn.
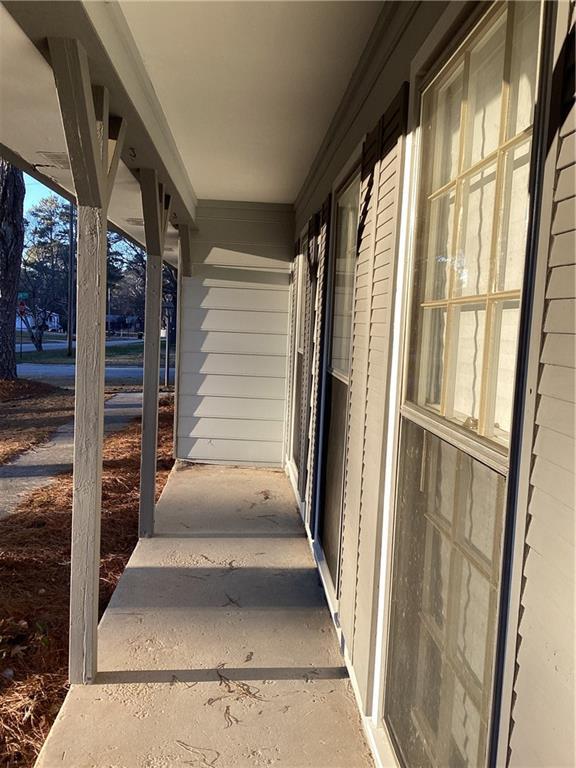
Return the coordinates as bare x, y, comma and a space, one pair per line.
121, 355
55, 336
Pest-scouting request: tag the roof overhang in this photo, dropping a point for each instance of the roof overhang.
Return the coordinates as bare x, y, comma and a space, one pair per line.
248, 88
230, 100
31, 132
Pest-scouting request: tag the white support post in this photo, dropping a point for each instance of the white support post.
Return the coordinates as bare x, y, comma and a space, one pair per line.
88, 438
184, 270
89, 132
156, 209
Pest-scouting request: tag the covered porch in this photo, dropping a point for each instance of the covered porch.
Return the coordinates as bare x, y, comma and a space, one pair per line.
217, 648
370, 208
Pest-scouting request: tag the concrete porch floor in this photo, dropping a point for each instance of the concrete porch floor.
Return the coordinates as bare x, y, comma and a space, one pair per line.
217, 649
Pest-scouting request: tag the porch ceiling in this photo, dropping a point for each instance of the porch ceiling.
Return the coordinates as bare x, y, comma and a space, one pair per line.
31, 132
249, 88
227, 100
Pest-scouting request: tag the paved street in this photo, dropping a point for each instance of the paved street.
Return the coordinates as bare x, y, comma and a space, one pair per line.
64, 374
27, 346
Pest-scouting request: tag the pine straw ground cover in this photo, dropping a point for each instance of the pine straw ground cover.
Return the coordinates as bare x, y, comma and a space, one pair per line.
30, 412
35, 579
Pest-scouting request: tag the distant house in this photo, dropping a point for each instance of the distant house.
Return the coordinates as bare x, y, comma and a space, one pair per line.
52, 321
123, 323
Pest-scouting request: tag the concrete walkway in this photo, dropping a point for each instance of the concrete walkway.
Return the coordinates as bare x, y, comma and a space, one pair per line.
217, 649
38, 467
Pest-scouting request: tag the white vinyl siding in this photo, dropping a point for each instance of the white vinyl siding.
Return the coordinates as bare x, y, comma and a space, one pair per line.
234, 336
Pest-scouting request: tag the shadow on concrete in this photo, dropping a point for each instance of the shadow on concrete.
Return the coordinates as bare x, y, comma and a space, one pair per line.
221, 674
230, 587
231, 535
33, 470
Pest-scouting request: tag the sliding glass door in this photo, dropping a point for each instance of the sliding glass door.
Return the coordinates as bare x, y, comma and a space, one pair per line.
472, 214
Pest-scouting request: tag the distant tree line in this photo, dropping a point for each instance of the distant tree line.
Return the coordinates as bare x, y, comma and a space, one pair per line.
44, 273
35, 266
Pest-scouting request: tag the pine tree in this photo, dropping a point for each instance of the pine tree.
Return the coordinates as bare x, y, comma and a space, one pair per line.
11, 243
45, 266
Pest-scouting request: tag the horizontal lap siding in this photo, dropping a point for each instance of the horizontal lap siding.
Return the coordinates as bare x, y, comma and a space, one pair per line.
240, 451
543, 711
231, 385
243, 365
231, 429
222, 342
233, 337
251, 409
368, 394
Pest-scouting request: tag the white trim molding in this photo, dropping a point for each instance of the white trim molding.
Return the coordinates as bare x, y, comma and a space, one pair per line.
112, 28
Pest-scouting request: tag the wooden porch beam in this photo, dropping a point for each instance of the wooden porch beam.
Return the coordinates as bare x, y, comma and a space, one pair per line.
116, 138
87, 127
72, 75
101, 99
185, 265
156, 209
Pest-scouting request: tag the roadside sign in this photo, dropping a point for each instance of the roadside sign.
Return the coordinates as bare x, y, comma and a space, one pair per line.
22, 296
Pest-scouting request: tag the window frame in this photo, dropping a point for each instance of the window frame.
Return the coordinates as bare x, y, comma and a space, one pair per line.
462, 554
349, 168
436, 54
492, 300
301, 300
343, 185
295, 351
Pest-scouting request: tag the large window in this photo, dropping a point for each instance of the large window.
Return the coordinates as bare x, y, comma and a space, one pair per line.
476, 125
344, 267
444, 603
471, 224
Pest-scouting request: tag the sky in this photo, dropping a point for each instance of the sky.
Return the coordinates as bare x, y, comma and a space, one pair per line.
35, 191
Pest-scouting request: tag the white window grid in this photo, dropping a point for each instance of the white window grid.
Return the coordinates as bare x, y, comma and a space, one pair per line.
444, 637
493, 300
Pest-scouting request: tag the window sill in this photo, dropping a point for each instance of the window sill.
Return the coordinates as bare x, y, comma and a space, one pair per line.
491, 455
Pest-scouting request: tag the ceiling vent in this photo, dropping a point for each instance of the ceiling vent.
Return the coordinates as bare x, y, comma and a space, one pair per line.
54, 160
135, 221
